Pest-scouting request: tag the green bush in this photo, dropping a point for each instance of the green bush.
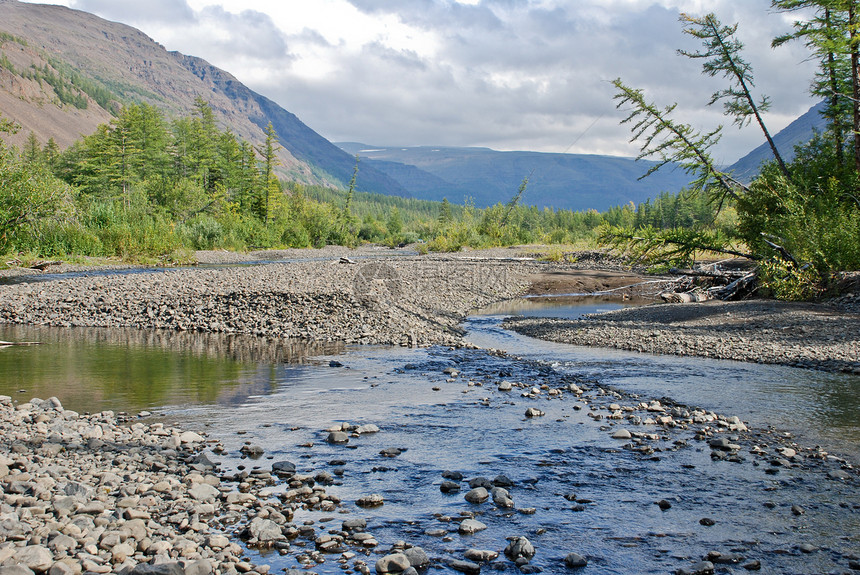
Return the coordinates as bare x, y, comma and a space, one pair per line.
61, 239
817, 226
203, 233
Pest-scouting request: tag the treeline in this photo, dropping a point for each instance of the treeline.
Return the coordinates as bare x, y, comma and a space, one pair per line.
143, 186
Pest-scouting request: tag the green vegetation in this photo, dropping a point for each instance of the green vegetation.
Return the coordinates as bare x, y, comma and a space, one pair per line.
798, 221
147, 187
143, 187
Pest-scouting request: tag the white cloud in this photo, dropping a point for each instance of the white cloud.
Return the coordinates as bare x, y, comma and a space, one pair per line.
508, 74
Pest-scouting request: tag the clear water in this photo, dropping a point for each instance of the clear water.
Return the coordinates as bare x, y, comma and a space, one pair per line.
282, 397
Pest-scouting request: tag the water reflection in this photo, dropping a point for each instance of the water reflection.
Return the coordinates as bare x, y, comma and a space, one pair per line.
91, 369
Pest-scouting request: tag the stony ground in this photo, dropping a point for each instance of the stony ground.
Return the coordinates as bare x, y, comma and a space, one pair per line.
802, 335
400, 301
379, 295
105, 493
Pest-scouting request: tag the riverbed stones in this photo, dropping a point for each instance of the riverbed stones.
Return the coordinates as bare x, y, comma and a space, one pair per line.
575, 561
519, 548
466, 567
700, 568
449, 487
35, 557
117, 503
374, 500
284, 469
393, 563
477, 495
481, 555
471, 526
338, 437
417, 557
502, 498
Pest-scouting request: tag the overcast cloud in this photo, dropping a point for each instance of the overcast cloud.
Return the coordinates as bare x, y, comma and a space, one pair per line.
506, 74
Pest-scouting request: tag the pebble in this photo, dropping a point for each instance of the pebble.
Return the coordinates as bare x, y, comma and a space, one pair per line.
102, 522
477, 495
575, 560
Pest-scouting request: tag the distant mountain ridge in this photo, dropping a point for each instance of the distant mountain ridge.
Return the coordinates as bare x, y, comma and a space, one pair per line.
487, 177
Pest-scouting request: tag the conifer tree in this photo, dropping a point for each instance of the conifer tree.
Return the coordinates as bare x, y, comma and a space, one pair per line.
722, 56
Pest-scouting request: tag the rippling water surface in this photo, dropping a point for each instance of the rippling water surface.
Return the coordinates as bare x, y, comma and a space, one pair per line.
588, 492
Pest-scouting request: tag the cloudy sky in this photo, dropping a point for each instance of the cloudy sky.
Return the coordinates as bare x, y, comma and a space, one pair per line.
506, 74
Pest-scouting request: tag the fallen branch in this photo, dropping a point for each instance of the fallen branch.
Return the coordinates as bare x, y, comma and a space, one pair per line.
42, 266
733, 289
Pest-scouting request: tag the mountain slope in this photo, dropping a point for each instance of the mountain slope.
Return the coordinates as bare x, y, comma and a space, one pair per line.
95, 57
798, 132
569, 181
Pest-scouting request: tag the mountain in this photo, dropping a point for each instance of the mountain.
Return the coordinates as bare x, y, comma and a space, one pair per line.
63, 72
487, 177
798, 132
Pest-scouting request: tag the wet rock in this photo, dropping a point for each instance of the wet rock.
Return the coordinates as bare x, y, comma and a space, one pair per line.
807, 548
502, 481
337, 437
700, 568
452, 475
534, 412
284, 469
707, 522
754, 565
721, 558
449, 487
470, 526
480, 482
252, 450
265, 531
664, 505
477, 495
797, 510
622, 434
390, 452
463, 566
393, 563
417, 557
723, 443
519, 547
575, 560
480, 555
502, 498
356, 524
374, 500
366, 429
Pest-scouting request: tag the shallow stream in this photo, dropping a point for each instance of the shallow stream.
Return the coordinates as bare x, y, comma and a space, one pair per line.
576, 489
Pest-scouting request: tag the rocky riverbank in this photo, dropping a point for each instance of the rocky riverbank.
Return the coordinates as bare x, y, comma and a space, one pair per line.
400, 301
83, 493
816, 336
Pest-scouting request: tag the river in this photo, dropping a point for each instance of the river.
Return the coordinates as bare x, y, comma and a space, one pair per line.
575, 488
